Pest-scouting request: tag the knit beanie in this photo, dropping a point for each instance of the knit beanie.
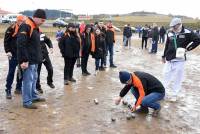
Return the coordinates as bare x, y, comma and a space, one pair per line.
71, 25
40, 13
124, 76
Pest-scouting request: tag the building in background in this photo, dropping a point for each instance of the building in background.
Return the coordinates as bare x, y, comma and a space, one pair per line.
85, 17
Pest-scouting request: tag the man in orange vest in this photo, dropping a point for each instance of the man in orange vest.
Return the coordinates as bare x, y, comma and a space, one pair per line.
10, 47
29, 56
147, 90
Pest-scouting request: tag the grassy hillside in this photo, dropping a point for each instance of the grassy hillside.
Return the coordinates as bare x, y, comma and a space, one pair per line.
150, 19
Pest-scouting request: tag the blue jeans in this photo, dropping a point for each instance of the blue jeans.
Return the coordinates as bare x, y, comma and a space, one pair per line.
97, 62
111, 52
11, 72
151, 100
154, 47
127, 41
29, 84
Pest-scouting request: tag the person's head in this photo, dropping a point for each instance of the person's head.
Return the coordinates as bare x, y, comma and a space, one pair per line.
155, 25
71, 28
176, 24
39, 17
125, 77
128, 25
20, 19
109, 25
100, 24
97, 31
88, 28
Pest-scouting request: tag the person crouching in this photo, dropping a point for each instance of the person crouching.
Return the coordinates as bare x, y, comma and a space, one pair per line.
147, 90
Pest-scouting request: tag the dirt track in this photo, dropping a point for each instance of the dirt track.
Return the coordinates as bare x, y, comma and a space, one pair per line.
71, 109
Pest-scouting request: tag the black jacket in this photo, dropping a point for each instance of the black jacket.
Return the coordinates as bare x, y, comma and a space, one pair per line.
86, 43
183, 39
162, 31
103, 31
44, 40
10, 44
149, 82
28, 47
110, 36
71, 46
100, 46
145, 32
127, 32
155, 34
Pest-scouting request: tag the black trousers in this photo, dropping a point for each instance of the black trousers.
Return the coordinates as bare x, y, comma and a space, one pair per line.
49, 67
69, 67
144, 39
84, 61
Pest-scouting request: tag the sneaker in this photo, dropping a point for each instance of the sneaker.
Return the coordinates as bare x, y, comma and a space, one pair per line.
72, 80
8, 95
51, 85
17, 91
39, 100
113, 66
32, 106
142, 109
156, 112
40, 90
66, 82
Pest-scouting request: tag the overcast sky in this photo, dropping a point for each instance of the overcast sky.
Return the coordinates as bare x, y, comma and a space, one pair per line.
176, 7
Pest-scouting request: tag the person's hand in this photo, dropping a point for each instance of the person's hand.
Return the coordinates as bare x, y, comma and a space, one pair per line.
118, 100
133, 109
24, 65
9, 54
51, 50
163, 60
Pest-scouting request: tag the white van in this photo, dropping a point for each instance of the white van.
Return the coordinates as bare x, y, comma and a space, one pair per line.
10, 18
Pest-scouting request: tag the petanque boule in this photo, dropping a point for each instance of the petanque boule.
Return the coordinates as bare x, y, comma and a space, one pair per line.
128, 116
129, 106
124, 103
96, 101
113, 119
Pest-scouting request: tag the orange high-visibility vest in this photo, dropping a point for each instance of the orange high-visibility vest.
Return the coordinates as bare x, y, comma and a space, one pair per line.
138, 84
31, 24
16, 27
93, 42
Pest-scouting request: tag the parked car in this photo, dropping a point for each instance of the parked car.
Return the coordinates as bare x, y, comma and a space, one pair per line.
117, 29
59, 23
10, 18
